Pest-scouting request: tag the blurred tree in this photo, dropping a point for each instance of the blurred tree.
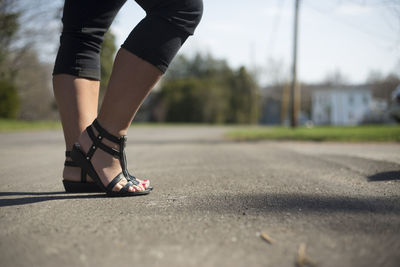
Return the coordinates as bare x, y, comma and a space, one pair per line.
383, 86
204, 89
183, 100
8, 27
34, 88
335, 78
9, 101
244, 98
23, 24
200, 66
39, 21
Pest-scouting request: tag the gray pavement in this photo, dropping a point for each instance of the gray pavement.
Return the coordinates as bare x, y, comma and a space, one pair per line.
211, 201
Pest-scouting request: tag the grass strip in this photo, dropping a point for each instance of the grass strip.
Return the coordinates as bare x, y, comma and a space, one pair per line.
7, 125
20, 125
370, 133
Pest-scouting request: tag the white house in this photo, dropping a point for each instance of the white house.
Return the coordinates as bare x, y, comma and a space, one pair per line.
341, 106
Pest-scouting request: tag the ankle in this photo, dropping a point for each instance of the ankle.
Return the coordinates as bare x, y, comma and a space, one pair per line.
84, 141
113, 127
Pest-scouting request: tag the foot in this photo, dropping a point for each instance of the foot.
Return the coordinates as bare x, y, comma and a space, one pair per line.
106, 166
74, 174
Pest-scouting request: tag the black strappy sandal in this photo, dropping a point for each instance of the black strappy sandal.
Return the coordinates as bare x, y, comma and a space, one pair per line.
82, 159
83, 186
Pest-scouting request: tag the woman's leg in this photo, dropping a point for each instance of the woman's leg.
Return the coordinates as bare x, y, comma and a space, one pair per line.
131, 80
77, 69
77, 100
138, 66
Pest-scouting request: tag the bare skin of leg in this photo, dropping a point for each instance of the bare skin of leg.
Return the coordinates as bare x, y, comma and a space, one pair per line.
131, 80
77, 100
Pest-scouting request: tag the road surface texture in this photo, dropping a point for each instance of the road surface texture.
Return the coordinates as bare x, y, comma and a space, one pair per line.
212, 200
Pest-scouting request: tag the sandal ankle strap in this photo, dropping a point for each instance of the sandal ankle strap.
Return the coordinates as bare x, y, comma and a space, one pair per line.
97, 143
104, 133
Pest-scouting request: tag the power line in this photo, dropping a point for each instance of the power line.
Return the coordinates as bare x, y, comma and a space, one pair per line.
275, 27
369, 33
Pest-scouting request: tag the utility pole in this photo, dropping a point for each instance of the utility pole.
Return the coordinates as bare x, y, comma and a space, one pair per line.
294, 89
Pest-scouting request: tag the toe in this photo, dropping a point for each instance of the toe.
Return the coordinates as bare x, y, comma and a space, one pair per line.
131, 189
135, 188
145, 183
138, 187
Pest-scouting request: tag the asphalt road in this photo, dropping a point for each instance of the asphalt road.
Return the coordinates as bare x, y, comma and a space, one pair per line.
211, 201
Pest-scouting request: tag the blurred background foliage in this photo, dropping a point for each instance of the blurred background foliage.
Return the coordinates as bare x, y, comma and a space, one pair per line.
204, 89
27, 31
25, 79
198, 88
9, 101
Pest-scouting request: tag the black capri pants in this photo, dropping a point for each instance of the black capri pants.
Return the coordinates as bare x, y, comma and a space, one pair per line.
156, 39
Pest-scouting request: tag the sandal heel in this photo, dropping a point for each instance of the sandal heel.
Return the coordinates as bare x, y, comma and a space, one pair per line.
82, 186
79, 157
79, 187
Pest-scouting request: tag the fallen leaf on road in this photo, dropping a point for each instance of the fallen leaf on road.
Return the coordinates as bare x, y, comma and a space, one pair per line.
264, 236
302, 259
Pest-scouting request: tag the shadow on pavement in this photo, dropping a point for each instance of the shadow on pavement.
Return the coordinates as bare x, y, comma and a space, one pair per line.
384, 176
241, 202
282, 202
4, 194
35, 197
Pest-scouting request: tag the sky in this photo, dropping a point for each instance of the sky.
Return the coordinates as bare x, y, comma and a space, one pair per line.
353, 37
